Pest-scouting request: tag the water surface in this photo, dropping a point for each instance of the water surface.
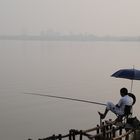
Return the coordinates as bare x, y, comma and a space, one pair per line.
71, 69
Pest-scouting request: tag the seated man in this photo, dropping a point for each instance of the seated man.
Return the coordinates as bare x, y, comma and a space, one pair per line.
119, 109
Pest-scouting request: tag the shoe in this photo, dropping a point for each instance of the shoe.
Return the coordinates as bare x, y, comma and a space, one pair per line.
102, 116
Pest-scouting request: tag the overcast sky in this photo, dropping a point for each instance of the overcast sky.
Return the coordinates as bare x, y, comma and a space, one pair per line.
99, 17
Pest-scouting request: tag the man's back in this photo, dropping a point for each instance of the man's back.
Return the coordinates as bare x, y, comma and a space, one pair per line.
126, 100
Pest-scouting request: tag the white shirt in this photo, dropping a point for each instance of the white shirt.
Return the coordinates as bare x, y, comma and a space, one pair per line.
126, 100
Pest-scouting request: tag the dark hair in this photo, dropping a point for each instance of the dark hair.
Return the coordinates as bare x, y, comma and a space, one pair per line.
124, 91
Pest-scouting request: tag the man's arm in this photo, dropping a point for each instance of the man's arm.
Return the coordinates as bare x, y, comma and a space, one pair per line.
119, 103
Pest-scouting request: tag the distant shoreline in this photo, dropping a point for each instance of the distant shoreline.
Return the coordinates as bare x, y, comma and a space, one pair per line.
78, 37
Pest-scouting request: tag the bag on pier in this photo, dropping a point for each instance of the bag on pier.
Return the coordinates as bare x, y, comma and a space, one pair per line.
134, 122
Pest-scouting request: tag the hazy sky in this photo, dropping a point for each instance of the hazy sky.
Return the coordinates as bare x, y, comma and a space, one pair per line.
99, 17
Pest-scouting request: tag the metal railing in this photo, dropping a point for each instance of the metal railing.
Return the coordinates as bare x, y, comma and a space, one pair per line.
105, 131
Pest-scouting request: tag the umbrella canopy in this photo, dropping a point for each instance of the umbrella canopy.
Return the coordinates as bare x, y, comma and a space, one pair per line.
131, 74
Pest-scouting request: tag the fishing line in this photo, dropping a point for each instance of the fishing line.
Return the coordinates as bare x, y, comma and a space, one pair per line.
66, 98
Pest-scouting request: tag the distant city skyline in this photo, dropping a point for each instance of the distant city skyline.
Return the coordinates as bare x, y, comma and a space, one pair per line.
58, 36
61, 33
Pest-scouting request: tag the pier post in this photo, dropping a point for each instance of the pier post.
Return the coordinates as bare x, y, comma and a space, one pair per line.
103, 129
73, 134
81, 135
98, 130
107, 128
53, 137
70, 134
113, 132
59, 137
120, 131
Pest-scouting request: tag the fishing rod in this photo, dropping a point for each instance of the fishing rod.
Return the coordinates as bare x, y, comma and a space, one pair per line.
66, 98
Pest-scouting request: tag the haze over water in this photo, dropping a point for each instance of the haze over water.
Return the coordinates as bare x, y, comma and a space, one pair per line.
72, 69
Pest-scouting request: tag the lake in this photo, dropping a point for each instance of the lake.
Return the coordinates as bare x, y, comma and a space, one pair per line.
71, 69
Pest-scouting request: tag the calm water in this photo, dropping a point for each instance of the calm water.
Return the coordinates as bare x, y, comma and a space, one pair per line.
71, 69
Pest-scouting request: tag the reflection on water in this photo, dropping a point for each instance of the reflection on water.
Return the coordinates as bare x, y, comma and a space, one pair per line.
71, 69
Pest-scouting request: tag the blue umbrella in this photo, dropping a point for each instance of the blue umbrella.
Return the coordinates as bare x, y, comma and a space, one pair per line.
131, 74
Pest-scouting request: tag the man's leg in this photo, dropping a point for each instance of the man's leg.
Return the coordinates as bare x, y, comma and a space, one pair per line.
110, 106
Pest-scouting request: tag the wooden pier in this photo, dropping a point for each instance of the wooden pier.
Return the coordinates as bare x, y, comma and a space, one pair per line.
105, 131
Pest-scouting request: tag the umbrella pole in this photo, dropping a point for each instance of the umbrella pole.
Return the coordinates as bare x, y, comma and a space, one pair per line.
131, 86
132, 80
